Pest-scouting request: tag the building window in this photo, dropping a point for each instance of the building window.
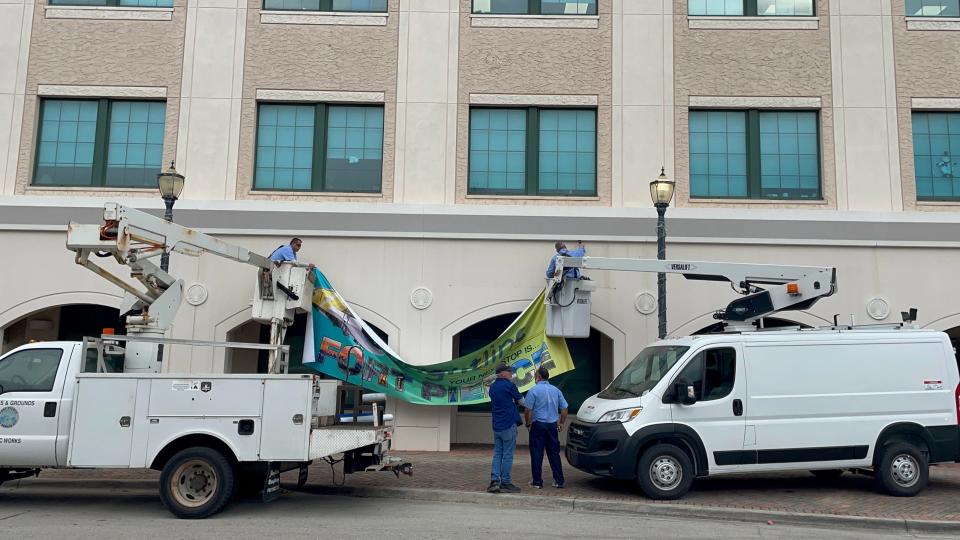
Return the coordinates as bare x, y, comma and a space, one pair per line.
933, 8
936, 155
319, 147
113, 3
99, 143
752, 8
376, 6
535, 7
754, 154
557, 156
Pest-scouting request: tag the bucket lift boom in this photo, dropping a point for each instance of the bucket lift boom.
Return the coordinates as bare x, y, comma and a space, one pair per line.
766, 289
132, 238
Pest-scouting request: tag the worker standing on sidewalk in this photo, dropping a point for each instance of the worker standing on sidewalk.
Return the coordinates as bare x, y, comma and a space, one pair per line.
504, 398
545, 416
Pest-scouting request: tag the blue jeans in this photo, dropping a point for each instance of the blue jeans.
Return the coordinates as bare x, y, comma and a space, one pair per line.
504, 443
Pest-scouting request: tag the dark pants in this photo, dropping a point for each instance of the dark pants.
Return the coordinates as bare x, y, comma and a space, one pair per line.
543, 436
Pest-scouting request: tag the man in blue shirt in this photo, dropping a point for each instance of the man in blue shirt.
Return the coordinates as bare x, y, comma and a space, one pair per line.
545, 415
504, 398
562, 251
287, 253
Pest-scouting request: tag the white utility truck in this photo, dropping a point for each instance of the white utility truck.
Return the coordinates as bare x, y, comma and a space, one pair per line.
883, 400
104, 402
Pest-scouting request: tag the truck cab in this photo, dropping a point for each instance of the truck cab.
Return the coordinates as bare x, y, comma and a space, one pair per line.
37, 383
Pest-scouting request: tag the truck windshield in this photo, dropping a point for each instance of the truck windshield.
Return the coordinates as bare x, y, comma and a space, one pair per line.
643, 372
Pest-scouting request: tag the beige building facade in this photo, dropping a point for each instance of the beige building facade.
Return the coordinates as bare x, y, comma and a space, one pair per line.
441, 146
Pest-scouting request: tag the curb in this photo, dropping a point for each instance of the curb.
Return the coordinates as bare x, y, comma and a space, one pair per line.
648, 509
562, 504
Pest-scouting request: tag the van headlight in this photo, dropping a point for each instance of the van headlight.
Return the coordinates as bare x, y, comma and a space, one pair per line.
621, 415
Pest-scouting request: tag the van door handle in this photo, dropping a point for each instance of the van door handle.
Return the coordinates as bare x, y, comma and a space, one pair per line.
737, 407
50, 409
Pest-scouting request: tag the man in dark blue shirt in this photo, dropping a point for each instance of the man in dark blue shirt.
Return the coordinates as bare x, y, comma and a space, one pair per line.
504, 397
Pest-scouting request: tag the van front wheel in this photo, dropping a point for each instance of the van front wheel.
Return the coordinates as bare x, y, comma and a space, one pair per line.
664, 472
903, 470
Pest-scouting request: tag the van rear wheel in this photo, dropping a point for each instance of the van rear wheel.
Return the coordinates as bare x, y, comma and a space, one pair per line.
903, 470
196, 483
665, 472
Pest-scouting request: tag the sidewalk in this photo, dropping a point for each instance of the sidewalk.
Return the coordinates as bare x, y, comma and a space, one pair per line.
465, 470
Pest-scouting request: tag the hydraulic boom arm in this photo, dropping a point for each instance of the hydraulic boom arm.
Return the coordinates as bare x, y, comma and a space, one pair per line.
767, 288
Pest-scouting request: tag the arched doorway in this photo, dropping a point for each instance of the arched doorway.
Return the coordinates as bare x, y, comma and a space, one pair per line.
71, 322
592, 358
250, 361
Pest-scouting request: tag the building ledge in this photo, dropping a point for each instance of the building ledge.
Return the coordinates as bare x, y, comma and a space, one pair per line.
113, 13
933, 23
324, 18
753, 23
534, 21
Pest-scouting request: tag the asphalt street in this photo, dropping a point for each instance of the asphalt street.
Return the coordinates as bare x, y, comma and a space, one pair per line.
118, 512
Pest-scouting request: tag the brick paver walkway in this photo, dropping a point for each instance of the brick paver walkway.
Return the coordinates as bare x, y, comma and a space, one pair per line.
467, 468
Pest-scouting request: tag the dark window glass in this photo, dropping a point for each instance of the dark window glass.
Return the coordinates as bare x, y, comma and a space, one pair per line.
30, 370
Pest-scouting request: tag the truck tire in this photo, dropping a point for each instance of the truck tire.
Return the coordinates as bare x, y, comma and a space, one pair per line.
903, 469
197, 482
665, 472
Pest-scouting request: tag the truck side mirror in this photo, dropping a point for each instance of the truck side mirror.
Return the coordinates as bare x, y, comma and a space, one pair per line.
684, 393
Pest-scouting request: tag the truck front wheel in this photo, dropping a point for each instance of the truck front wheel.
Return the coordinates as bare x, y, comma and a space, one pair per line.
665, 472
197, 482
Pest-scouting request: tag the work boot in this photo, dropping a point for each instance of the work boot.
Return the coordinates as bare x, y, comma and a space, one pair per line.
509, 488
494, 487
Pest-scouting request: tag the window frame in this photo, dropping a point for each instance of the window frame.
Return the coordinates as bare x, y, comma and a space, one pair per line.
701, 356
754, 154
750, 10
107, 3
101, 141
326, 6
914, 16
913, 143
531, 171
318, 175
534, 8
55, 375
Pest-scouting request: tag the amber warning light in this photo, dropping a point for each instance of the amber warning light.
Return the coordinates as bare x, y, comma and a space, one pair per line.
793, 289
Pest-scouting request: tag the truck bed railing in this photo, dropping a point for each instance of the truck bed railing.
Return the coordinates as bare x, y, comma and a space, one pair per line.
107, 345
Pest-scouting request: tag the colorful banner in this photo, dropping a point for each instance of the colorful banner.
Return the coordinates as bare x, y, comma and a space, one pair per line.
339, 344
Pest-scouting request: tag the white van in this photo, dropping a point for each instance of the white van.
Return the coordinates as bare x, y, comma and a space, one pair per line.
880, 401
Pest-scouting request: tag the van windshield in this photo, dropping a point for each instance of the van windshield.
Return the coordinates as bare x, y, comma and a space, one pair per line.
643, 372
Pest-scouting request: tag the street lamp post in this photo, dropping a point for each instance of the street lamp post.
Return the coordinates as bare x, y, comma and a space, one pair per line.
661, 191
170, 183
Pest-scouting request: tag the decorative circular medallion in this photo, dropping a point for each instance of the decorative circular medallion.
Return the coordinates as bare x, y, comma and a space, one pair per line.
878, 308
196, 294
9, 417
421, 298
645, 303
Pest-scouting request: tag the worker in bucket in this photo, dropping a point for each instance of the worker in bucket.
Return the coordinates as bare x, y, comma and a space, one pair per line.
562, 251
504, 398
287, 253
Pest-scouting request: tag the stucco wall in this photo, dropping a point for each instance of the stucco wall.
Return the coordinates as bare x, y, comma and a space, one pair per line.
341, 58
922, 60
129, 53
544, 61
752, 63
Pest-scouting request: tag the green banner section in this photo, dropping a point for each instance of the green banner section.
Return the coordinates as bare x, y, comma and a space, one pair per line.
339, 344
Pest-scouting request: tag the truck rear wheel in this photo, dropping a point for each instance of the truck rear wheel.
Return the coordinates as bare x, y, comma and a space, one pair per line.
903, 470
197, 482
665, 472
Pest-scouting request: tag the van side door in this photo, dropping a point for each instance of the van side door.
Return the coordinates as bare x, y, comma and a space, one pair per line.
717, 379
31, 388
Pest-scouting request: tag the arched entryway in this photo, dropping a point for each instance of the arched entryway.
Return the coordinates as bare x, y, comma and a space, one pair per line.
592, 358
70, 322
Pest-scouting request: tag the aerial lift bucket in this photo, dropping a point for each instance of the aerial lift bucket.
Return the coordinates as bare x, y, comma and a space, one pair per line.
568, 307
